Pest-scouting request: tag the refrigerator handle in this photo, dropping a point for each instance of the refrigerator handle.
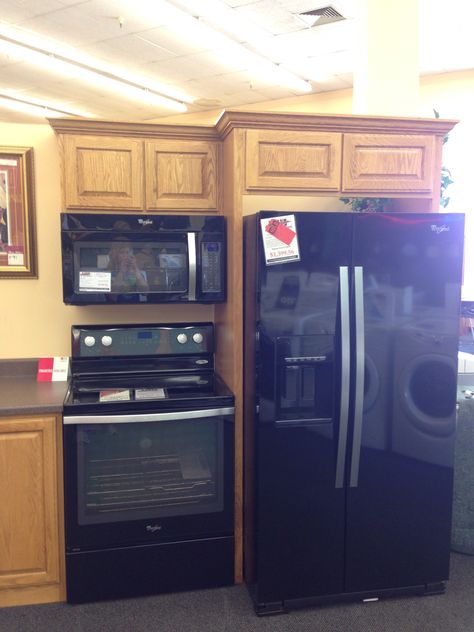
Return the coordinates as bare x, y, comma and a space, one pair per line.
359, 373
345, 375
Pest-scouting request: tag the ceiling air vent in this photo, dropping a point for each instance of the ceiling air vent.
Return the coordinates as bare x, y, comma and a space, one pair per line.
318, 17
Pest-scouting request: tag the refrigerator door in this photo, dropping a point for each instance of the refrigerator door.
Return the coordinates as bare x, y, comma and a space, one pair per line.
302, 419
400, 478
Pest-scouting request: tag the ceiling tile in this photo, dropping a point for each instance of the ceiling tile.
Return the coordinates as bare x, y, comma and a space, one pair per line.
129, 50
15, 11
272, 16
93, 21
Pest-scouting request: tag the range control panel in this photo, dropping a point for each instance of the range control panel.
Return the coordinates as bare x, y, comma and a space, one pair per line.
175, 339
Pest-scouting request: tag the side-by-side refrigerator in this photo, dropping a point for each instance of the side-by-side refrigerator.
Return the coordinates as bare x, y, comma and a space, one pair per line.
351, 340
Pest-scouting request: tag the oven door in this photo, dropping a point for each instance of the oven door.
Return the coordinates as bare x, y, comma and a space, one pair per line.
148, 477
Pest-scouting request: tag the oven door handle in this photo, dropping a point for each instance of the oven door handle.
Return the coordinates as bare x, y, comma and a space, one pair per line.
73, 420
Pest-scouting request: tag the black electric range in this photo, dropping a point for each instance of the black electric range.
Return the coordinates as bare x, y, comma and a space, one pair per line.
148, 462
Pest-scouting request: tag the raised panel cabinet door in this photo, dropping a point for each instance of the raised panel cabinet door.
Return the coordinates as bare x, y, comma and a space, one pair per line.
29, 532
293, 160
388, 163
182, 175
103, 173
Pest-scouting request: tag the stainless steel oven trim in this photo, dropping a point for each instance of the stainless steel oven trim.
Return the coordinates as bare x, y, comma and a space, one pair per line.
74, 420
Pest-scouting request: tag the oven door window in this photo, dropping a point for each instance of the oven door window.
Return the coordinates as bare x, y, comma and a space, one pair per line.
133, 471
130, 267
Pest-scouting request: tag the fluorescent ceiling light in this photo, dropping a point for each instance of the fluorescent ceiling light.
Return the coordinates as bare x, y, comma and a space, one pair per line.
45, 56
226, 50
37, 107
27, 108
229, 20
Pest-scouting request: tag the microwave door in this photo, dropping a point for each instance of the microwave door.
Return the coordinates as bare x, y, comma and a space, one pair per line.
135, 267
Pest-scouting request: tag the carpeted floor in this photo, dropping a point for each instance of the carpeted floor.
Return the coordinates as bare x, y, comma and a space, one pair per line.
230, 610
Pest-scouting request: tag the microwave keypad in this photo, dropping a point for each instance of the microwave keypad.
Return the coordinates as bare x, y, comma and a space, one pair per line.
210, 261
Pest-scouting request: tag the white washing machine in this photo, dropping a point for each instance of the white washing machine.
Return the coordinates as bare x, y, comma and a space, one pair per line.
424, 395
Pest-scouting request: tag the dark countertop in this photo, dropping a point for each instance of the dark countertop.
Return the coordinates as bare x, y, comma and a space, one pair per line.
21, 394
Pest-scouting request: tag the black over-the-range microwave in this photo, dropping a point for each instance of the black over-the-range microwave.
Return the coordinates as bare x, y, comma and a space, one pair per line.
110, 258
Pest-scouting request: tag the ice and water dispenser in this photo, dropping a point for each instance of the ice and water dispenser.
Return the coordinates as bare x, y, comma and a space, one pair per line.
304, 379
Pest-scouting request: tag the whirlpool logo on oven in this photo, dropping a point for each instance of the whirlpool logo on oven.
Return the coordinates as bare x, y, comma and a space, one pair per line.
444, 228
153, 528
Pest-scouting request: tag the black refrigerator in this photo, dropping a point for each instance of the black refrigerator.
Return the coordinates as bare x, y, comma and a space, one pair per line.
350, 356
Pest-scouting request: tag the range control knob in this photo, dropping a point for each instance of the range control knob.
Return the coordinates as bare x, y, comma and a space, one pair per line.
198, 338
182, 338
106, 341
89, 341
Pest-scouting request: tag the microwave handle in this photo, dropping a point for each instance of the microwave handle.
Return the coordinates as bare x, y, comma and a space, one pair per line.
192, 266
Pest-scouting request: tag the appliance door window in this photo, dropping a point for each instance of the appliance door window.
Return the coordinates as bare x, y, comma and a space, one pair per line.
133, 471
124, 266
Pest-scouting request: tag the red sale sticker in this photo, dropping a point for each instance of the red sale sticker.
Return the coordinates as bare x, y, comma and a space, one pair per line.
280, 239
53, 369
45, 370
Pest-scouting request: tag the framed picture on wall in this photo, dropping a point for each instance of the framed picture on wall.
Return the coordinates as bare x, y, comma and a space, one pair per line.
17, 213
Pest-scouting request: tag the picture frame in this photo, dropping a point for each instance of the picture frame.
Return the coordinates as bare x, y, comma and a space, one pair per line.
17, 214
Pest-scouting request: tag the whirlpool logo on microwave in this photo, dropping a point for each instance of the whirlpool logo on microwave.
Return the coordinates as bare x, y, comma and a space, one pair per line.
444, 228
145, 222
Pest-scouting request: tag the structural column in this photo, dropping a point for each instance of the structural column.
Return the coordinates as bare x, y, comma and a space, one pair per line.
386, 69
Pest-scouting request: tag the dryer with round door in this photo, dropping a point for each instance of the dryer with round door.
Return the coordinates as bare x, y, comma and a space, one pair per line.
424, 401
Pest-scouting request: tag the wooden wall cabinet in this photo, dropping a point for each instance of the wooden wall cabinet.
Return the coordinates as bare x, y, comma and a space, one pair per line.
31, 533
388, 163
102, 172
292, 160
138, 167
181, 174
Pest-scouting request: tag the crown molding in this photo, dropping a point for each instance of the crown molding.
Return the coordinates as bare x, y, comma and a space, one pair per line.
234, 119
79, 126
347, 123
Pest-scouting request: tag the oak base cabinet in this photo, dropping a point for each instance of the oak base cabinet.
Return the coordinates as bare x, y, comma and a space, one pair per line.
31, 531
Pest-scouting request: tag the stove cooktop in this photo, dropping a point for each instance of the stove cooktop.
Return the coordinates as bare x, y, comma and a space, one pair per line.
135, 368
109, 394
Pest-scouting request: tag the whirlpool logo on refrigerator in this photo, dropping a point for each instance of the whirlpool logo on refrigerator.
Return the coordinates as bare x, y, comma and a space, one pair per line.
444, 228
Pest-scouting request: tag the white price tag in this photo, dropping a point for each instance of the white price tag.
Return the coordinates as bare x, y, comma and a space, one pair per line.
94, 281
60, 369
150, 393
16, 259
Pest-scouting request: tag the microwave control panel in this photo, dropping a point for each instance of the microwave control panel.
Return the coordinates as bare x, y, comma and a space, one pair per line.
211, 266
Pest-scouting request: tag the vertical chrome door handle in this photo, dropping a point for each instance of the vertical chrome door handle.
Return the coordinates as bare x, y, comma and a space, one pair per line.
359, 373
345, 375
192, 262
